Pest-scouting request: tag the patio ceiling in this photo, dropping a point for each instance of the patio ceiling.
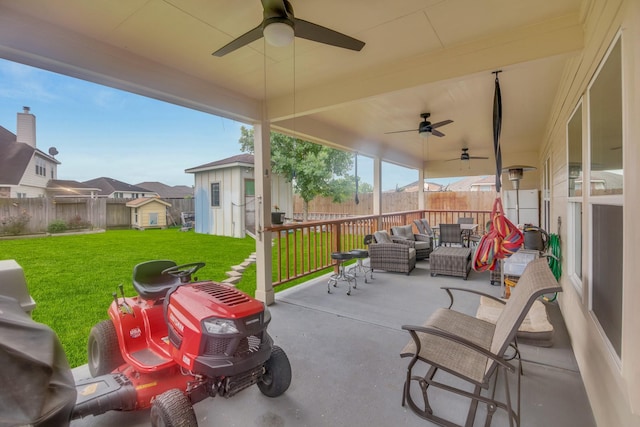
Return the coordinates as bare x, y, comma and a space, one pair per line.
420, 56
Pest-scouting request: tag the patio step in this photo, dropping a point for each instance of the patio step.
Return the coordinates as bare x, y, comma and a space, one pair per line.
235, 275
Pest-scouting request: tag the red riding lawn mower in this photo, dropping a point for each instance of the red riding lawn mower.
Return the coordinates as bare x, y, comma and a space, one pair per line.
176, 343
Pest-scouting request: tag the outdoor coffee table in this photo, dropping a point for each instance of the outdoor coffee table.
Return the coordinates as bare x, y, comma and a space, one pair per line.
450, 261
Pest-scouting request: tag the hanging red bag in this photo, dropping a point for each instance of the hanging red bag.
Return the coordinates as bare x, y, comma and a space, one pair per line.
512, 236
486, 254
501, 241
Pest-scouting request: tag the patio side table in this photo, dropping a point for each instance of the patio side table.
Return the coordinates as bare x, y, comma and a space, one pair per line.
450, 261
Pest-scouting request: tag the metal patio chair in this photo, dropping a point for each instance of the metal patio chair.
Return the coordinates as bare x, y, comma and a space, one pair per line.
473, 350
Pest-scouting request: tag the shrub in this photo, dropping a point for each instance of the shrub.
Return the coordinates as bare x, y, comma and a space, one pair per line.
15, 225
77, 222
57, 226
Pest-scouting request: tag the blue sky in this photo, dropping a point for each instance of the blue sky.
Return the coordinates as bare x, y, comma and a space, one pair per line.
100, 131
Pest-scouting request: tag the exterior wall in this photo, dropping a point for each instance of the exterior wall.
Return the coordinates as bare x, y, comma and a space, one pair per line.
229, 218
131, 195
613, 384
32, 184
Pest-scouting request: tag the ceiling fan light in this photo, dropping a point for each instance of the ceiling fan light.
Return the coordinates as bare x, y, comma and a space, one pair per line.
278, 34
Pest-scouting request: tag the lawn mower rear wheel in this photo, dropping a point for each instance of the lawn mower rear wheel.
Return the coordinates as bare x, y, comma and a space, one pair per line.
103, 349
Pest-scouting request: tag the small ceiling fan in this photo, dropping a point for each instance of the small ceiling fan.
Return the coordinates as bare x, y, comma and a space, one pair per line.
465, 156
279, 26
425, 127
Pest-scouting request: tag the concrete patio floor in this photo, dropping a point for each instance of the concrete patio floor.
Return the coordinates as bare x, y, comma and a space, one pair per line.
344, 352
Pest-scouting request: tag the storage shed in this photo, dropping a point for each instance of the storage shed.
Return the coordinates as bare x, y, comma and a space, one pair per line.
225, 196
148, 212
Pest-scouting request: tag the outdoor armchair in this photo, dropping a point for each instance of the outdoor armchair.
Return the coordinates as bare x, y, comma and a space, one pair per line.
472, 350
425, 229
420, 242
451, 234
387, 255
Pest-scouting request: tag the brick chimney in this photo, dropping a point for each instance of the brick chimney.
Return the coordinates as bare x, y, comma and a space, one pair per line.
26, 128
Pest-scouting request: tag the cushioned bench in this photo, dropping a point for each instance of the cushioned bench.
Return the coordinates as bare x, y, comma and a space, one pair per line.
451, 261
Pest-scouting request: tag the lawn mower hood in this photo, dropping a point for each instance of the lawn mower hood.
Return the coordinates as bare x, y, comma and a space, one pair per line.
37, 385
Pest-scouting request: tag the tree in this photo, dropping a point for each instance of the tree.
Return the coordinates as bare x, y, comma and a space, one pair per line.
314, 170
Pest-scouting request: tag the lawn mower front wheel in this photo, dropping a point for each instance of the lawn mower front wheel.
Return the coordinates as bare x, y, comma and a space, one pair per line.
277, 375
103, 349
172, 409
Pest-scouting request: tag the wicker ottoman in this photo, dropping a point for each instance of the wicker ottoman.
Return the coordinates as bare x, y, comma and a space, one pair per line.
450, 261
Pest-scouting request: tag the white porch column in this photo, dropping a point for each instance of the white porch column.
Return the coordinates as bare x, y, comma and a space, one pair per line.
377, 187
422, 199
262, 155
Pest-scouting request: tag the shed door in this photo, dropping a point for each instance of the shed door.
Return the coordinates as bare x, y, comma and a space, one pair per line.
250, 206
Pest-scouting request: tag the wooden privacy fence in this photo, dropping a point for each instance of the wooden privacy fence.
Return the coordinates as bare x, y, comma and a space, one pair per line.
96, 213
322, 208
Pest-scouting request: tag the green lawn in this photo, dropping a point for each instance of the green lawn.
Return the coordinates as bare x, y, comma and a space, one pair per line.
72, 278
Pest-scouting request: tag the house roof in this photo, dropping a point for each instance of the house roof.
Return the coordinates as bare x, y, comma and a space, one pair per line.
246, 160
110, 186
14, 157
166, 191
141, 201
468, 182
69, 187
414, 186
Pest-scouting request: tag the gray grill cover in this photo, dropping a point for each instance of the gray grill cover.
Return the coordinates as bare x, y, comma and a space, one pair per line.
36, 384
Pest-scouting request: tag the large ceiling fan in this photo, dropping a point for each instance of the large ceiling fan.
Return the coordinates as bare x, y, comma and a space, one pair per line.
426, 127
465, 156
279, 26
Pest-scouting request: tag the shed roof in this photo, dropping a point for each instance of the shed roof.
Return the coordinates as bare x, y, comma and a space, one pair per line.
141, 201
245, 160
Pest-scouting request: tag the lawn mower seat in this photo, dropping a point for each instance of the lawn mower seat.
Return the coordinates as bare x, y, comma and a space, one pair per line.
149, 281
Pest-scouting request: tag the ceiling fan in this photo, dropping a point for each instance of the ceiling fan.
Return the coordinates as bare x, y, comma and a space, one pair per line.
426, 127
279, 26
465, 156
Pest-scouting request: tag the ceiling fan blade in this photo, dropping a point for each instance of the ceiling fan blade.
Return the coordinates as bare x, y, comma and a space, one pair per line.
241, 41
436, 132
317, 33
401, 131
442, 123
478, 158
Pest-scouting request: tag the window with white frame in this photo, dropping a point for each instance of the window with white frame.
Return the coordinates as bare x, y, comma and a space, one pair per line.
574, 179
603, 195
41, 167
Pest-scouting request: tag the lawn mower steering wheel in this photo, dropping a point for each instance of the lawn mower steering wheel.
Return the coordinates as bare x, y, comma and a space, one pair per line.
184, 270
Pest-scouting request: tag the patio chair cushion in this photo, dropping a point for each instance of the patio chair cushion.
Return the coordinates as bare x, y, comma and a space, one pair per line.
382, 237
404, 231
535, 328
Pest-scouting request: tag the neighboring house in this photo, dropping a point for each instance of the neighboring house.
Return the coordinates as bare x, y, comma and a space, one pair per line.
473, 183
225, 197
24, 169
166, 191
114, 189
68, 188
415, 186
148, 212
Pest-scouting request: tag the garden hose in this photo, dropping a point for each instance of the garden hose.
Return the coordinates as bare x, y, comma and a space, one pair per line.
555, 261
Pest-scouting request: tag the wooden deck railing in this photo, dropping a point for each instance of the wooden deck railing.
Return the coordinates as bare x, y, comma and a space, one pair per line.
303, 248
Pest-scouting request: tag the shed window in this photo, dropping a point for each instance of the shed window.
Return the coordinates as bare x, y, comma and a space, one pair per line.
215, 194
